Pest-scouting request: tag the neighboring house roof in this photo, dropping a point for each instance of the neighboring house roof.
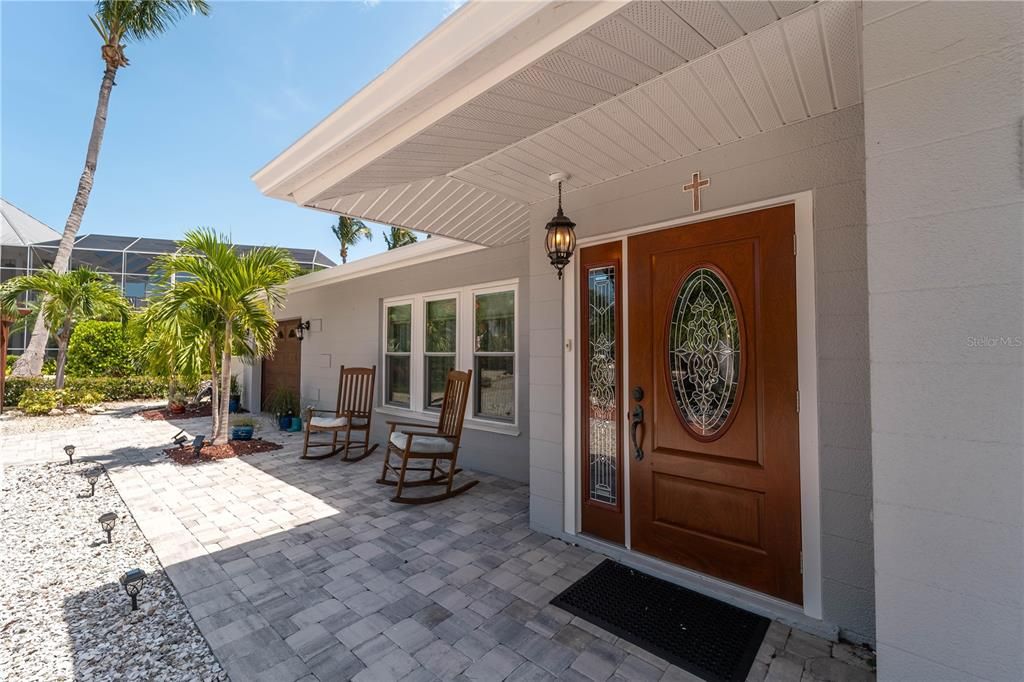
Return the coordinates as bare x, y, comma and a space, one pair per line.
458, 137
18, 228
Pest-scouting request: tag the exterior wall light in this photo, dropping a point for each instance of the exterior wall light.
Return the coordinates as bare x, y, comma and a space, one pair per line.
299, 331
69, 450
560, 241
132, 582
91, 477
107, 523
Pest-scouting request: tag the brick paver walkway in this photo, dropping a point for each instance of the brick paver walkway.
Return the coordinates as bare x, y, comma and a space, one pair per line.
304, 570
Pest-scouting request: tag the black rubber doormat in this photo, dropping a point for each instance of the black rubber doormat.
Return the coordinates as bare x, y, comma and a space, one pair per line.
709, 638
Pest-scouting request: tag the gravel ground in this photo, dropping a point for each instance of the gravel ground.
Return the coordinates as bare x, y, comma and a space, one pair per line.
63, 615
14, 422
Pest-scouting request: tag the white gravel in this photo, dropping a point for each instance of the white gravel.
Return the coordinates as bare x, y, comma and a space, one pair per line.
63, 614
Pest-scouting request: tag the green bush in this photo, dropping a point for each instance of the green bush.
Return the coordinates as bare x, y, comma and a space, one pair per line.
103, 349
103, 388
9, 364
49, 366
37, 401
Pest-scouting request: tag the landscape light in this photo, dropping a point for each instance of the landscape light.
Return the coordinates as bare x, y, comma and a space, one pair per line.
107, 522
132, 582
92, 476
180, 438
69, 450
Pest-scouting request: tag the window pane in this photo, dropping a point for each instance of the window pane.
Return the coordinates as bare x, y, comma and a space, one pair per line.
495, 322
399, 335
397, 377
438, 367
104, 261
495, 387
42, 257
441, 326
138, 263
14, 257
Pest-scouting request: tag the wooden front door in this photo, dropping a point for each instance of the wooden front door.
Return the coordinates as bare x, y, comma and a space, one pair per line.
283, 368
714, 458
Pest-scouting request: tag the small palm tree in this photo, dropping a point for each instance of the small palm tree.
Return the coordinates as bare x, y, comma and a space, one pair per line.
118, 22
68, 298
225, 307
350, 231
399, 236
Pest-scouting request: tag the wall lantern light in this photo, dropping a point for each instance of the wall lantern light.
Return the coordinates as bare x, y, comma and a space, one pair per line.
91, 477
560, 241
69, 450
299, 330
107, 523
132, 582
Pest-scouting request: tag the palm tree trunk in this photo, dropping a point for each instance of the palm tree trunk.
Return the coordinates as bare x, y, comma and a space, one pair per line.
225, 387
31, 361
214, 389
344, 253
62, 352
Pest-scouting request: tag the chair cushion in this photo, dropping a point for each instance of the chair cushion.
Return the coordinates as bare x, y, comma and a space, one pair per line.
424, 444
335, 422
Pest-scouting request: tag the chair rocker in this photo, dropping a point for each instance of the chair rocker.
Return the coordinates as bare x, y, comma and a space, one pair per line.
353, 412
435, 443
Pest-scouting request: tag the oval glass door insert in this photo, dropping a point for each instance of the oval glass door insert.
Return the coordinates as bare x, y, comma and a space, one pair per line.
704, 347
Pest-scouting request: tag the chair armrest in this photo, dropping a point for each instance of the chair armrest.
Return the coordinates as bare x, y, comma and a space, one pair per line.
421, 425
313, 409
432, 434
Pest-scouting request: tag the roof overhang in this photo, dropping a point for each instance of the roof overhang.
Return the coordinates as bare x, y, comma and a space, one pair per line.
458, 137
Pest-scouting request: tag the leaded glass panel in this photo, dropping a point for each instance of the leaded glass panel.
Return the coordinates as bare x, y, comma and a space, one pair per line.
602, 398
704, 352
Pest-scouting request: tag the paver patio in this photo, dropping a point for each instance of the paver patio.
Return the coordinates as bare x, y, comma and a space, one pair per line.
305, 570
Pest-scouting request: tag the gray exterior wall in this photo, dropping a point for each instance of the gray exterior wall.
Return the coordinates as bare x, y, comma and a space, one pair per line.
945, 207
826, 155
351, 312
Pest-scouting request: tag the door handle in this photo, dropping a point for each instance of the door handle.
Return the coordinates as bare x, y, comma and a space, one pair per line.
635, 424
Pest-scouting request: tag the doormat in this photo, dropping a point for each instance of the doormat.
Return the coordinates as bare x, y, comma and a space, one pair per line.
709, 638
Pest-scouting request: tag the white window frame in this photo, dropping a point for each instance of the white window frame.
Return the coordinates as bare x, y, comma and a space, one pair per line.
465, 347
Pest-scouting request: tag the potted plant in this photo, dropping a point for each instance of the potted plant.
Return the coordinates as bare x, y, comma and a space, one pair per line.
242, 428
235, 397
283, 404
176, 399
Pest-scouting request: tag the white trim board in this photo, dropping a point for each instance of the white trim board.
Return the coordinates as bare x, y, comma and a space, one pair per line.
807, 367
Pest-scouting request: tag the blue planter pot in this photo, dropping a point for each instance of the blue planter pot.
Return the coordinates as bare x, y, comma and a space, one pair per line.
284, 422
233, 404
296, 424
241, 432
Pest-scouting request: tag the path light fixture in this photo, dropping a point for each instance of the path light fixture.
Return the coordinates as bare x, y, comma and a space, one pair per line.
107, 523
560, 241
180, 438
132, 582
299, 331
69, 450
91, 477
197, 446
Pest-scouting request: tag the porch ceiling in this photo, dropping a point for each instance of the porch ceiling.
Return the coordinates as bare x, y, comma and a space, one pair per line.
645, 84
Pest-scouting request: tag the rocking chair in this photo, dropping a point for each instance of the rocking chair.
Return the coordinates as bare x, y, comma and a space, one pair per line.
352, 413
435, 443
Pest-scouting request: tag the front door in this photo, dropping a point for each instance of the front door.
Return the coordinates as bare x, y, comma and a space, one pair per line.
283, 368
714, 456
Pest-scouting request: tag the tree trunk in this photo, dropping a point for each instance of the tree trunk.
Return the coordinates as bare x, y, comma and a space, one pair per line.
215, 390
344, 254
62, 352
31, 361
225, 387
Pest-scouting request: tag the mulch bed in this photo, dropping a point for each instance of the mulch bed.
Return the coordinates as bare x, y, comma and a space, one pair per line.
204, 410
209, 453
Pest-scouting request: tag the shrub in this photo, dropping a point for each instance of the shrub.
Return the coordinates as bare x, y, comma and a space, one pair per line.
103, 349
102, 388
37, 401
49, 366
9, 364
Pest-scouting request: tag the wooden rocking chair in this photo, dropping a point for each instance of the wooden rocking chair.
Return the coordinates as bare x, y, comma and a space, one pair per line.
353, 412
435, 443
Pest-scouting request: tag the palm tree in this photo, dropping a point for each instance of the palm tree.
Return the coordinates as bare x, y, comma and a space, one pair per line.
224, 307
399, 236
350, 231
68, 298
118, 22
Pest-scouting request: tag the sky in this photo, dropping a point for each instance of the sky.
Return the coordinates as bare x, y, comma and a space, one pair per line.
197, 112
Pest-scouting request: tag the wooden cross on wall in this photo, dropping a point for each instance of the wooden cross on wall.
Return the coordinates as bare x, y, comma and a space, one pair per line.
695, 185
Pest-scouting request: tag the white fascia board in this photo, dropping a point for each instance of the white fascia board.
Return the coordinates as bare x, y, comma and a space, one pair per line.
478, 47
404, 256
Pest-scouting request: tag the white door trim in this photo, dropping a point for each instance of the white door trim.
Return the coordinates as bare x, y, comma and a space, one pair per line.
807, 368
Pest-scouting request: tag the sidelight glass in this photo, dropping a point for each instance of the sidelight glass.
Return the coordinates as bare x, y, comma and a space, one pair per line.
704, 350
602, 390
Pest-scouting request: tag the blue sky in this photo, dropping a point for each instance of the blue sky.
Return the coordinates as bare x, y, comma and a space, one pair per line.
195, 114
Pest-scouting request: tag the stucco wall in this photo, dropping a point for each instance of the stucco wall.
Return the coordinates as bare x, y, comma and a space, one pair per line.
351, 313
943, 108
826, 155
